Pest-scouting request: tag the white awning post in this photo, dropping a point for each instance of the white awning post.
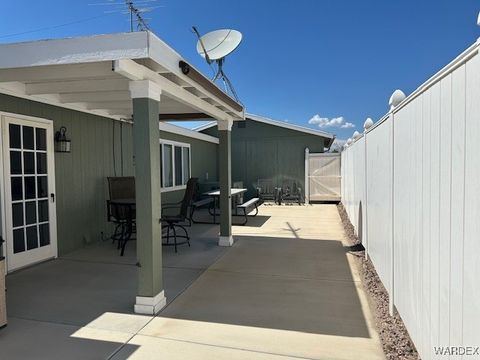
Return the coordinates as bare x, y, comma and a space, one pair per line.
307, 179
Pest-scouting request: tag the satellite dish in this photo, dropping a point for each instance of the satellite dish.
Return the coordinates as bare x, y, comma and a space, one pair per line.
215, 46
219, 43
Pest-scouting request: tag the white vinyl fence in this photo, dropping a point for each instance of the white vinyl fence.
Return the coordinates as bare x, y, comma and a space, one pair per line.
411, 188
322, 176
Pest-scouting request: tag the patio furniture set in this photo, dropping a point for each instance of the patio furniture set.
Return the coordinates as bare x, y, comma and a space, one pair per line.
121, 211
287, 193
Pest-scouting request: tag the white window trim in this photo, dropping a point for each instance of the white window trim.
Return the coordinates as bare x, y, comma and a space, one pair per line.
182, 145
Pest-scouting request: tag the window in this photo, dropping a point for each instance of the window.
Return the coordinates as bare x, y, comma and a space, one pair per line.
175, 169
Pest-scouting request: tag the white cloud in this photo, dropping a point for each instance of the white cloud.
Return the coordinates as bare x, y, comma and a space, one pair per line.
347, 125
324, 122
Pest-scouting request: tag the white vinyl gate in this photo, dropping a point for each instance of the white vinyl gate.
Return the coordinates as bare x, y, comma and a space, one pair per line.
323, 178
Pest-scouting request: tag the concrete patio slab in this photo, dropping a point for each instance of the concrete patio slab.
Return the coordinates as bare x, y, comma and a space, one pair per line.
78, 292
292, 221
265, 340
150, 348
275, 302
27, 339
285, 289
321, 260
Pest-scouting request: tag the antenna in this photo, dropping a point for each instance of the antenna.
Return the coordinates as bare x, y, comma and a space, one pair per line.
215, 46
133, 10
200, 41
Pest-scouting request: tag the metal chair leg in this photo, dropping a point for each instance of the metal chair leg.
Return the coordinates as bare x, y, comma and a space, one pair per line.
174, 237
186, 234
128, 234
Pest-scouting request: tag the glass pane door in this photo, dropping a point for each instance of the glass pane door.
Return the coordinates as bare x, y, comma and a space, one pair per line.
29, 208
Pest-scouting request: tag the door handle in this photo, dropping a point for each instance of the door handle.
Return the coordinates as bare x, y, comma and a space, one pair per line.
52, 195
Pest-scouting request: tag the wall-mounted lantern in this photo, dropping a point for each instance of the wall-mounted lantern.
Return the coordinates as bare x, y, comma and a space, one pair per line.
62, 144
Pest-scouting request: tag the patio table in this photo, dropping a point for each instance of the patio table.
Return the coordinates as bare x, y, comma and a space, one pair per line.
235, 193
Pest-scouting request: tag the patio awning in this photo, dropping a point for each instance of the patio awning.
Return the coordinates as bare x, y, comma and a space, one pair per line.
92, 74
129, 76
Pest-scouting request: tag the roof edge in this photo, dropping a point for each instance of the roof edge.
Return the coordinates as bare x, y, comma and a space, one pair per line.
269, 121
179, 130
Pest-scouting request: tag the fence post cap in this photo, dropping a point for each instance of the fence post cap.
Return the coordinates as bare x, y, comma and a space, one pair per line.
397, 97
368, 124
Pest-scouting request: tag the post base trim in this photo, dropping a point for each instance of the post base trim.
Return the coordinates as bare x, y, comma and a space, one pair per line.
150, 305
225, 240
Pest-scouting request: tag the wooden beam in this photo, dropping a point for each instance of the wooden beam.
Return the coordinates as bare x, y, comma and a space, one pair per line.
58, 72
95, 96
184, 116
208, 85
107, 105
134, 71
75, 86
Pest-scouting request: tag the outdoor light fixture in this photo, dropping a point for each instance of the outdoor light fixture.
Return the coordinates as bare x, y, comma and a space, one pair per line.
62, 144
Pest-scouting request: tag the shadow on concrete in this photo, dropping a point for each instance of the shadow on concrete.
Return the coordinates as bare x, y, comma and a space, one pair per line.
49, 302
287, 284
30, 339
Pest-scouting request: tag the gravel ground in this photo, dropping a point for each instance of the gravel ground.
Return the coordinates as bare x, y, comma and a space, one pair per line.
394, 336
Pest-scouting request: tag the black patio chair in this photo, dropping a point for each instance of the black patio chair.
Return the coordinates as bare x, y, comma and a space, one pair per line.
290, 192
124, 215
267, 191
172, 222
119, 187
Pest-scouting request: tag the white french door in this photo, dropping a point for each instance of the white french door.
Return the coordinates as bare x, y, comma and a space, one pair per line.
28, 190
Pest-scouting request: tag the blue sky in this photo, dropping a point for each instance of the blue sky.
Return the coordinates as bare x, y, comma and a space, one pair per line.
299, 58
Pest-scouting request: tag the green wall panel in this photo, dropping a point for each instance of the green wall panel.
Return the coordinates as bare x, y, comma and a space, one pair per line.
101, 147
263, 151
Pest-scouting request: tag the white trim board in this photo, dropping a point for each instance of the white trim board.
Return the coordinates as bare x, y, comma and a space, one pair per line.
178, 130
141, 47
269, 121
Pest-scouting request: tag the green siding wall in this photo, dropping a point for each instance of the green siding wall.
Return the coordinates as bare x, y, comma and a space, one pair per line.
263, 151
204, 158
101, 147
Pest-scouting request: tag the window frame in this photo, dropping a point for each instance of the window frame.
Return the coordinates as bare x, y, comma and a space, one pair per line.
182, 145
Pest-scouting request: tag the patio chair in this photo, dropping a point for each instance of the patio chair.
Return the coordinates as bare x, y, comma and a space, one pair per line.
123, 215
267, 191
290, 192
122, 187
172, 222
